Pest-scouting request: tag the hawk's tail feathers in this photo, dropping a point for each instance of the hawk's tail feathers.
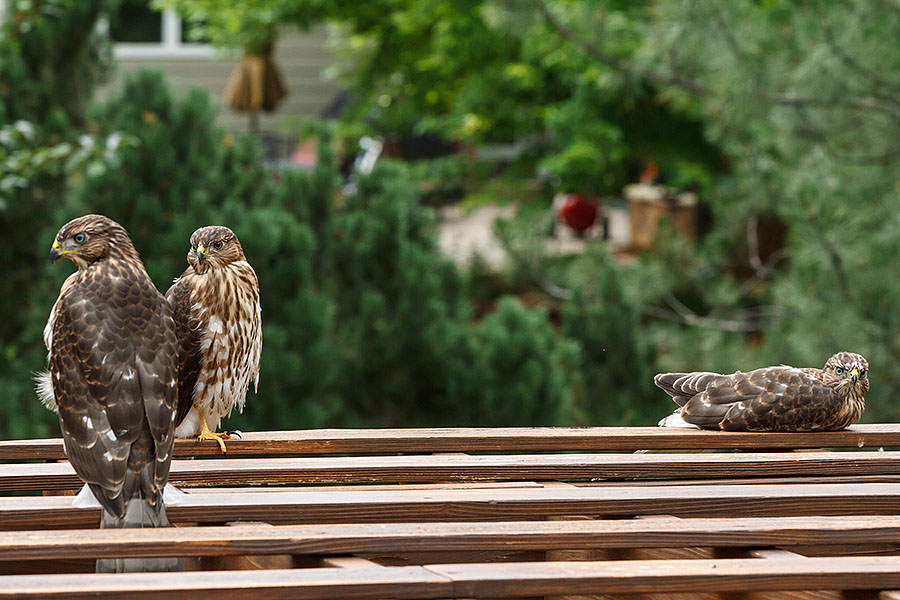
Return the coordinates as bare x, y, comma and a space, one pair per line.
85, 497
139, 514
684, 386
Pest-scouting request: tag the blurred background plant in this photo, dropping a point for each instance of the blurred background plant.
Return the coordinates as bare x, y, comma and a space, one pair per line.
781, 117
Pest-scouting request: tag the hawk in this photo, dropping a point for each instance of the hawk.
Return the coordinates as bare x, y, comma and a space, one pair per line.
218, 323
112, 359
771, 399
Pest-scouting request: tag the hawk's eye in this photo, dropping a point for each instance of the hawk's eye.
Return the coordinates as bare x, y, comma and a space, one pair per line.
218, 245
79, 238
839, 370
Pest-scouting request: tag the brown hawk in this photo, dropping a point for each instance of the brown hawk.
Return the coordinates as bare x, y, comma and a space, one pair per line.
771, 399
218, 323
112, 377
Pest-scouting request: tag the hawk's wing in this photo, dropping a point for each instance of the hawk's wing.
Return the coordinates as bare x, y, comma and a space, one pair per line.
113, 376
188, 336
770, 399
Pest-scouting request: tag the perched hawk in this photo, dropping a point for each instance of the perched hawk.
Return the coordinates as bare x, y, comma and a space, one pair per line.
218, 322
771, 399
112, 377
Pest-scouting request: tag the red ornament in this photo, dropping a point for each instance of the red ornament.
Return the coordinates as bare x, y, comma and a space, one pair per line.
577, 212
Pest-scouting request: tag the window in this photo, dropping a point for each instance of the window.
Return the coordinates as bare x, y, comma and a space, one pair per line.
139, 32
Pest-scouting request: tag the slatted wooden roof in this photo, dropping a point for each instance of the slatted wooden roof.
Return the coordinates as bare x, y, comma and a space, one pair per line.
479, 513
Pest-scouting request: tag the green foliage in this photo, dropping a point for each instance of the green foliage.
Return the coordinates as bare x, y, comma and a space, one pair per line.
185, 172
364, 321
522, 369
803, 98
616, 367
178, 173
51, 55
248, 24
493, 71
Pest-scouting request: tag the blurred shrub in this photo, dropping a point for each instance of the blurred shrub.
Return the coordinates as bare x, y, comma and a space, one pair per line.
616, 367
523, 369
364, 322
51, 55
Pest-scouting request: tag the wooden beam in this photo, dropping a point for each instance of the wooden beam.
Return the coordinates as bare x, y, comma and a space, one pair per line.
500, 580
420, 469
399, 505
250, 539
512, 439
313, 584
485, 580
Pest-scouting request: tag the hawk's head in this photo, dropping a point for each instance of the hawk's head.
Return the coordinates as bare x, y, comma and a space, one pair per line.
848, 372
89, 239
214, 247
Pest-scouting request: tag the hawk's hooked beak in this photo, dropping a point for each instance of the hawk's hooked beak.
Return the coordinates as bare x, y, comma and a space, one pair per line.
854, 376
55, 252
201, 253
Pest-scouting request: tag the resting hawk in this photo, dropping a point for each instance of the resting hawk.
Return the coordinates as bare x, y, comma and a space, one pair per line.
771, 399
112, 377
218, 322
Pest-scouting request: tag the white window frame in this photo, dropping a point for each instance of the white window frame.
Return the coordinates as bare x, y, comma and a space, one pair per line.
171, 46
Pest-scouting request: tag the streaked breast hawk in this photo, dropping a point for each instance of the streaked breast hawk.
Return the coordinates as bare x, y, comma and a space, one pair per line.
112, 376
771, 399
218, 322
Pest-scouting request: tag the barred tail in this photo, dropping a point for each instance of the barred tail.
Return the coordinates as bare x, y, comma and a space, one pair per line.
140, 513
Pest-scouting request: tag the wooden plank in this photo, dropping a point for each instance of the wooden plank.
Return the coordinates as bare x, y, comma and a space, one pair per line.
534, 579
270, 584
251, 539
402, 505
495, 580
512, 439
460, 485
753, 480
421, 469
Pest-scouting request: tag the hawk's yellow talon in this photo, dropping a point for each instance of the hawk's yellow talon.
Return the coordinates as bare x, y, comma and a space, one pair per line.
206, 434
209, 435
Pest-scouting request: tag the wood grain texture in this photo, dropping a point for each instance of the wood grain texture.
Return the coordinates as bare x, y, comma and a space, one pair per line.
513, 439
507, 579
416, 537
359, 505
424, 469
499, 580
271, 584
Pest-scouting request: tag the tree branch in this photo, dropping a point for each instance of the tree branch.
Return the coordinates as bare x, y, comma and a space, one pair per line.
692, 86
752, 321
727, 35
761, 270
837, 263
855, 65
595, 51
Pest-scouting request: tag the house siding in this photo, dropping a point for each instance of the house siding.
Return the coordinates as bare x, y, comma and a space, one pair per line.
301, 57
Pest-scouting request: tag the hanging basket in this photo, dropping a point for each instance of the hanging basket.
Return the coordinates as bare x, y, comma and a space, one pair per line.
255, 84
